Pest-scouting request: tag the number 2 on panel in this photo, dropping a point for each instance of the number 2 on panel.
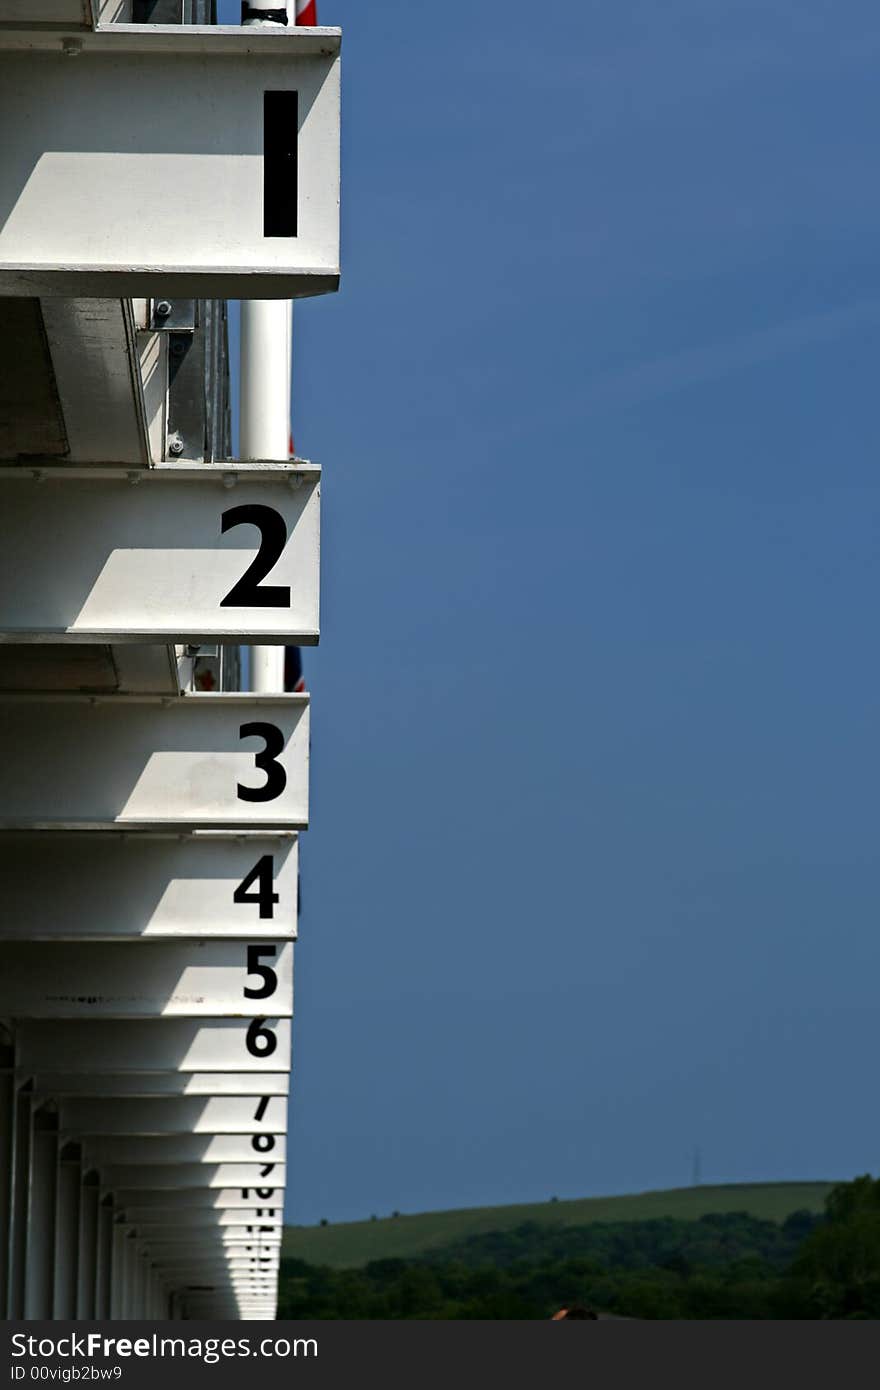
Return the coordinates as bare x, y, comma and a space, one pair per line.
249, 592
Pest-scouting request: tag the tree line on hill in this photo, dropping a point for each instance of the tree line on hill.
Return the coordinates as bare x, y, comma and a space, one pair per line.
730, 1266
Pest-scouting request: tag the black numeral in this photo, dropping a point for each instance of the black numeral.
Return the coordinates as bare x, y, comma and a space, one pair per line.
261, 1041
263, 1143
267, 761
248, 593
266, 973
262, 1108
280, 163
263, 874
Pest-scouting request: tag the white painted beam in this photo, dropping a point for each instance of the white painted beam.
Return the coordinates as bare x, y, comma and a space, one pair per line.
7, 1128
204, 188
87, 1266
184, 1175
210, 979
41, 1216
117, 885
147, 1085
233, 1201
18, 1237
96, 366
221, 553
179, 1115
178, 1242
186, 1223
198, 762
67, 1233
168, 1044
206, 1149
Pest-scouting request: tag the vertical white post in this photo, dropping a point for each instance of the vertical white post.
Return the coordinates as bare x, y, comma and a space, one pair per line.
39, 1269
87, 1268
129, 1277
104, 1272
7, 1130
117, 1277
21, 1159
265, 427
267, 5
67, 1234
138, 1281
266, 332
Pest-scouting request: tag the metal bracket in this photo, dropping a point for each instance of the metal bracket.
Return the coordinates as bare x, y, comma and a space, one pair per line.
186, 396
173, 315
197, 418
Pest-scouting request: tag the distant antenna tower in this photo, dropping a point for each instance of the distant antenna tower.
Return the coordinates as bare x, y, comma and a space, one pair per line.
697, 1173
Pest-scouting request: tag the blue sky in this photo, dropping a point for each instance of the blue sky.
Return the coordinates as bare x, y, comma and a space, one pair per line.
593, 872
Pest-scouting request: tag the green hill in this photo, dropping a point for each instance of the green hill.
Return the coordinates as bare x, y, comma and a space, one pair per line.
352, 1244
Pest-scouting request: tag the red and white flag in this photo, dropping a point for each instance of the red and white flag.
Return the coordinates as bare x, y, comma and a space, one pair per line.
307, 12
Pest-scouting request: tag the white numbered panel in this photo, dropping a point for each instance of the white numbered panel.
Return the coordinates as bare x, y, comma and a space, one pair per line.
190, 1148
193, 1268
145, 1085
184, 1219
183, 1115
185, 556
145, 160
207, 979
233, 1200
57, 886
172, 1241
191, 762
182, 1046
189, 1176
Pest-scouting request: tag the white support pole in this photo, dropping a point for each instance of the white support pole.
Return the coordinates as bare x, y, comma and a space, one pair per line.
137, 1302
129, 1282
39, 1269
265, 426
88, 1248
266, 349
118, 1273
104, 1272
67, 1232
267, 6
21, 1157
7, 1129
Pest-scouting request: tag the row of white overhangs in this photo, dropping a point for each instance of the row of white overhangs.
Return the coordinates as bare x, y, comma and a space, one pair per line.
148, 824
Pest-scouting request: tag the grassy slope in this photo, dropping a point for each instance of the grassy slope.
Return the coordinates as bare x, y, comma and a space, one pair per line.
356, 1243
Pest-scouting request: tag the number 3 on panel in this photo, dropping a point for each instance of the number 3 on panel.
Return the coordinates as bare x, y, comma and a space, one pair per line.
267, 761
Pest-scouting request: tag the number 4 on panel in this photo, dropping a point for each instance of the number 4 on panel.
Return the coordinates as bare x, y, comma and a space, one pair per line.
263, 875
